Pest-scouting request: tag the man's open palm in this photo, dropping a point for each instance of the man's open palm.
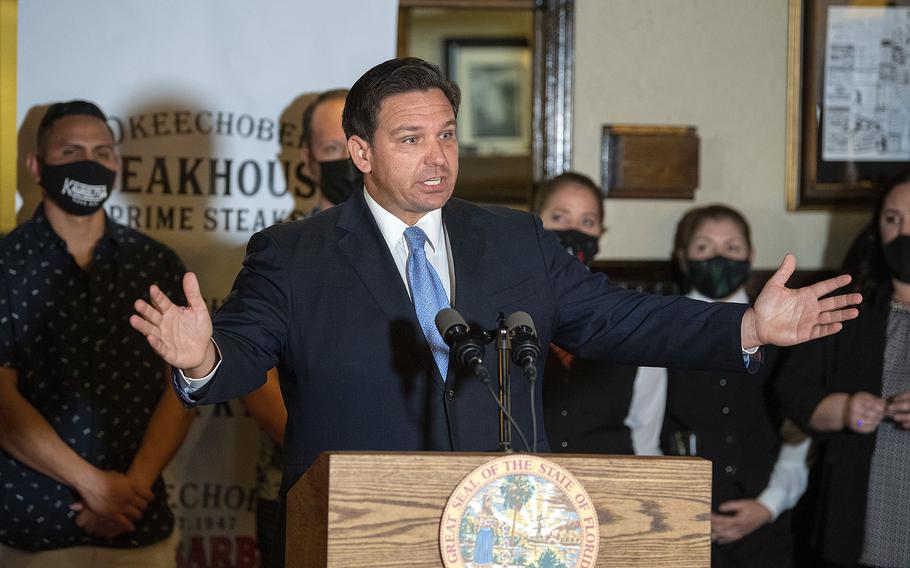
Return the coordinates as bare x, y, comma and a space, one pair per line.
180, 335
785, 316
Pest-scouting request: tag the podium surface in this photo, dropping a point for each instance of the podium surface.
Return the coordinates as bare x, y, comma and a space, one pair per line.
376, 509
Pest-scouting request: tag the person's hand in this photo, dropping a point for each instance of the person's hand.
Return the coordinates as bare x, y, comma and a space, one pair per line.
180, 335
898, 409
743, 517
863, 412
96, 525
784, 316
113, 496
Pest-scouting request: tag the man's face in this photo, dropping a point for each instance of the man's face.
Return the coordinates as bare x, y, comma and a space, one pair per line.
76, 138
327, 141
411, 166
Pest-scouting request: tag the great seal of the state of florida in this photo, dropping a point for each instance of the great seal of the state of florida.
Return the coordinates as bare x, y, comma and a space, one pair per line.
519, 510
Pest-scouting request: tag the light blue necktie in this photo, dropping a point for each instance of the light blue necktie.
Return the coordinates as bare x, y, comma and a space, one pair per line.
428, 295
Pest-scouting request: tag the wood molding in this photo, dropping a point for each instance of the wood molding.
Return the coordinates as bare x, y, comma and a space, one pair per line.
554, 55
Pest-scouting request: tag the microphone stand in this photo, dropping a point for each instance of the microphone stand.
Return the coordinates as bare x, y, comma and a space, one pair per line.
503, 347
468, 351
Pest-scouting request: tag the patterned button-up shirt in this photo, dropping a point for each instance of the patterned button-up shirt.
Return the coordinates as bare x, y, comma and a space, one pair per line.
94, 379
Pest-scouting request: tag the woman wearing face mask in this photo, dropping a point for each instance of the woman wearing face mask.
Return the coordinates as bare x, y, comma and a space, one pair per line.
852, 392
585, 402
728, 418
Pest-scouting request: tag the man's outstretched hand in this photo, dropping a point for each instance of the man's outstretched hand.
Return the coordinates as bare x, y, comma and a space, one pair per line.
180, 335
784, 316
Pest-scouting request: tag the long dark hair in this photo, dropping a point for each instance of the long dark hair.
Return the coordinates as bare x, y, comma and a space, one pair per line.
864, 260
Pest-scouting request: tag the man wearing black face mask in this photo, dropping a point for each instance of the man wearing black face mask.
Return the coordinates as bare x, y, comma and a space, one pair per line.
325, 152
84, 430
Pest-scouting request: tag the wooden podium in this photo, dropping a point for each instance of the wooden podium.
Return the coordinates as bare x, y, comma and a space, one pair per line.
359, 509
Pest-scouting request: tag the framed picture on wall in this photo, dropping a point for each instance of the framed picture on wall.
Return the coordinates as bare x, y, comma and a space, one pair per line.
495, 79
848, 100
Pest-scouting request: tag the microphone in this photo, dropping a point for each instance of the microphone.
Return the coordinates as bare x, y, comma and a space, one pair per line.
468, 350
525, 351
525, 345
457, 335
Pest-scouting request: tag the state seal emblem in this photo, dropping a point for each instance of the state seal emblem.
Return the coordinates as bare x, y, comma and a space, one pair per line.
519, 511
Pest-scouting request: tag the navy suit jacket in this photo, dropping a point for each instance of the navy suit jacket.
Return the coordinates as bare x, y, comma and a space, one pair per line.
322, 299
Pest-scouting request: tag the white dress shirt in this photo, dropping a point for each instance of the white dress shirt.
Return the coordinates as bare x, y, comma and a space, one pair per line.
392, 229
436, 247
646, 416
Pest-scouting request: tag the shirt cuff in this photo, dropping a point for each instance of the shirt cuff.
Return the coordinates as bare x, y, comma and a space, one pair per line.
773, 499
788, 479
752, 359
191, 385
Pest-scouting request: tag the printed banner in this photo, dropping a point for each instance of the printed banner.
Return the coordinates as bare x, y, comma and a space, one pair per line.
205, 101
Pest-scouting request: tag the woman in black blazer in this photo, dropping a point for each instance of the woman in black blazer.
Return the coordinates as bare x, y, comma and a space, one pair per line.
852, 391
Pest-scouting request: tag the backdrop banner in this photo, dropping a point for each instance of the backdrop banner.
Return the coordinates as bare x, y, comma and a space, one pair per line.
205, 101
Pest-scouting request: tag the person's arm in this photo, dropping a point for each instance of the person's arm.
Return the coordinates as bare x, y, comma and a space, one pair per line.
742, 517
802, 385
646, 411
29, 438
788, 479
252, 326
167, 428
597, 320
861, 412
266, 406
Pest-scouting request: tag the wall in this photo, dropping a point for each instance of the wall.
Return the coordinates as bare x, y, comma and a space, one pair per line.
720, 65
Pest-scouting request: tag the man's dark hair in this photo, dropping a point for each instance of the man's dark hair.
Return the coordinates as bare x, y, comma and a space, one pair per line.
69, 108
552, 185
394, 77
310, 110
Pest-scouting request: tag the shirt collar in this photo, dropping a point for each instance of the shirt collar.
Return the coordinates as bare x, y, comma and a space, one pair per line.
45, 233
738, 297
113, 232
392, 228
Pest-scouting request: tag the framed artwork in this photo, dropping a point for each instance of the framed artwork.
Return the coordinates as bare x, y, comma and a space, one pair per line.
848, 100
495, 79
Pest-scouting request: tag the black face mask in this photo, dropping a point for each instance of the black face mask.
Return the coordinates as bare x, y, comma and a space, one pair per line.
718, 277
339, 179
580, 245
79, 188
897, 257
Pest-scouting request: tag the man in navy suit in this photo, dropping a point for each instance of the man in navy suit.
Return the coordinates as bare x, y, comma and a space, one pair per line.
339, 302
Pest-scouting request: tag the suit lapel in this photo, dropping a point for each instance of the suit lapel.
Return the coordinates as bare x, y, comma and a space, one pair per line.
366, 251
466, 239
